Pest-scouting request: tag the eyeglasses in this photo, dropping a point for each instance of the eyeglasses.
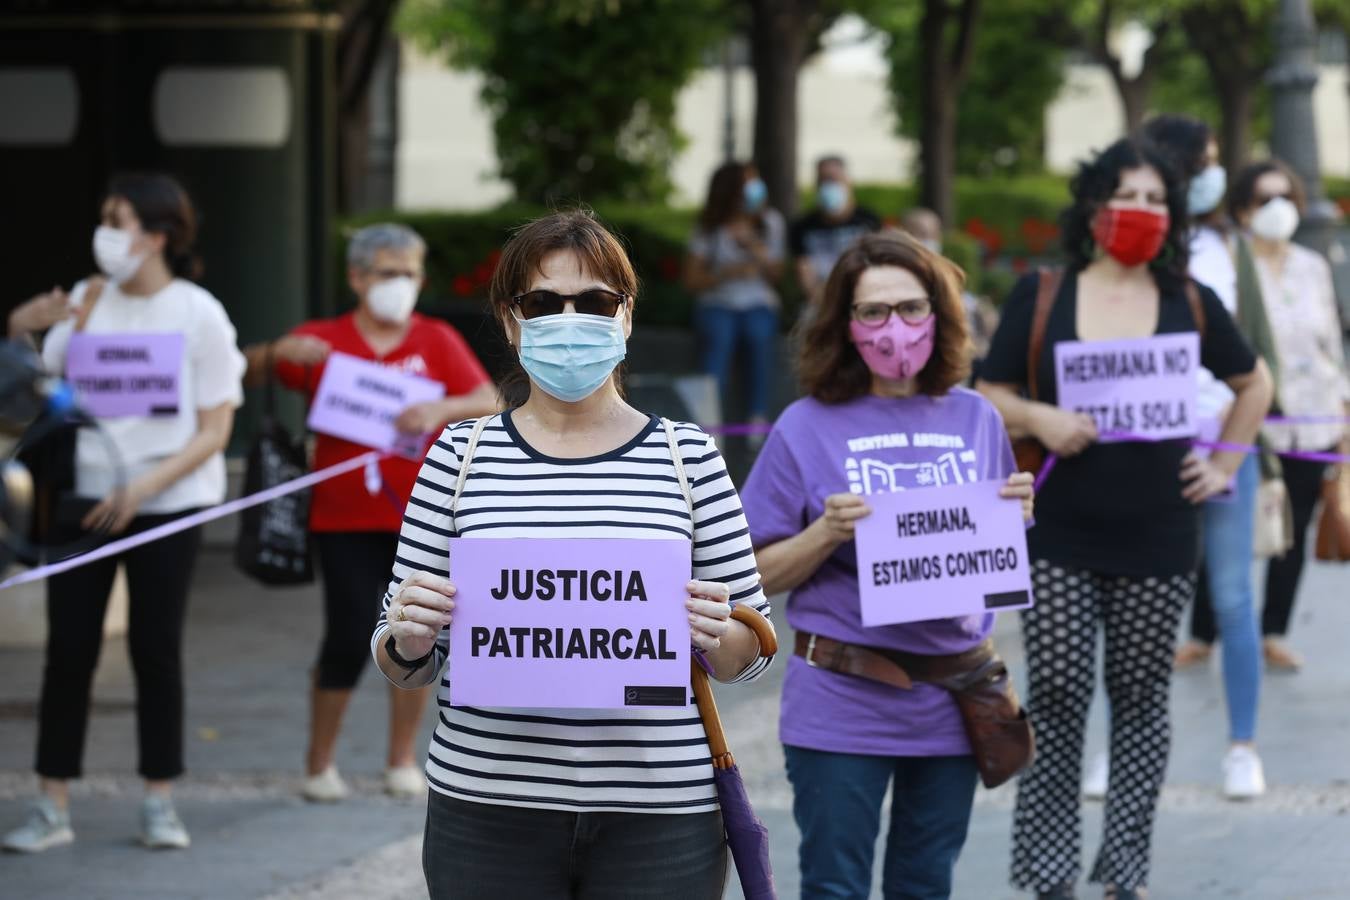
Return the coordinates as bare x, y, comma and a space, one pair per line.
874, 315
595, 302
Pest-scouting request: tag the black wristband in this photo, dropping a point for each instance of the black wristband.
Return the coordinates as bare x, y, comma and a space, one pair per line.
412, 665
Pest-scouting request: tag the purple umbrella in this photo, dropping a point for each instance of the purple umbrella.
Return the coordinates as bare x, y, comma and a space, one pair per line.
747, 838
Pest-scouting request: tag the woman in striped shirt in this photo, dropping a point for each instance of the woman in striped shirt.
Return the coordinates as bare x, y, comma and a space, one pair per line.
570, 802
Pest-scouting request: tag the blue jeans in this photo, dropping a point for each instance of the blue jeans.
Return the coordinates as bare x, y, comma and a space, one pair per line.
1228, 569
721, 329
837, 804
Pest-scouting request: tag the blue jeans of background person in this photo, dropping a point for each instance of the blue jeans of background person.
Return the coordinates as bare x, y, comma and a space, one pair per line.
836, 800
1228, 571
721, 331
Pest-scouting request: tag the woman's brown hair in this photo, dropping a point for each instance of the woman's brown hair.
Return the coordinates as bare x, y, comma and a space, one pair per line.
575, 231
828, 364
1242, 192
163, 207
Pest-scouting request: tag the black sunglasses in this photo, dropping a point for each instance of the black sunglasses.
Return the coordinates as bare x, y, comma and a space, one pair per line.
594, 302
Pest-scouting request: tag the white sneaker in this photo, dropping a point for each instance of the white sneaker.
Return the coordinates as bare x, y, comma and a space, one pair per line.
326, 787
1243, 775
1098, 777
161, 829
47, 826
405, 781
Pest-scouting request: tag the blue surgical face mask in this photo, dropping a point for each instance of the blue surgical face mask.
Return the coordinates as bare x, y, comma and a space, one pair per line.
756, 192
833, 196
570, 355
1207, 190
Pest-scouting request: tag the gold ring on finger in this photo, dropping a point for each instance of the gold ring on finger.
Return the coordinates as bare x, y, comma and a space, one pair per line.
402, 613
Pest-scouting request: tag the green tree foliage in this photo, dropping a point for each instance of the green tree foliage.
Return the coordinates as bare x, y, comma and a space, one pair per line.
582, 92
1014, 75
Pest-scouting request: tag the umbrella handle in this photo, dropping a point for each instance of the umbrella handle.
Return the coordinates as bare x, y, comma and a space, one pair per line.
703, 695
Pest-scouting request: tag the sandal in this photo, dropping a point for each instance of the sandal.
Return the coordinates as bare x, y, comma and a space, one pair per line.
1191, 653
1120, 893
1058, 892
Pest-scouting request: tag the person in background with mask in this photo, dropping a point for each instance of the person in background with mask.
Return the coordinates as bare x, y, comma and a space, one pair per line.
1115, 542
1221, 259
173, 464
356, 529
734, 263
1266, 200
558, 802
820, 237
981, 316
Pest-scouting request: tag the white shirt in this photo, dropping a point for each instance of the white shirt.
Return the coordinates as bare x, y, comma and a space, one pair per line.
719, 250
211, 374
1301, 305
1212, 265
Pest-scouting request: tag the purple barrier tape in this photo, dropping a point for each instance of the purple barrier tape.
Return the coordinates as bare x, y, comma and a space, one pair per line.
739, 428
198, 518
1222, 446
1046, 468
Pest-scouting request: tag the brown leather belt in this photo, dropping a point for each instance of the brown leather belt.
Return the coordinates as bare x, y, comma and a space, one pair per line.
894, 667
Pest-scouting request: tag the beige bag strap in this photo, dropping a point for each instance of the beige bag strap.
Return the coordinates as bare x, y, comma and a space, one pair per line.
93, 289
464, 462
680, 474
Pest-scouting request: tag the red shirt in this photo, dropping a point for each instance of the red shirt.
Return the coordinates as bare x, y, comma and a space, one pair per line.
431, 349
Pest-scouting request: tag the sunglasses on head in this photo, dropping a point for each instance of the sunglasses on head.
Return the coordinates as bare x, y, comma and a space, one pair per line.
594, 302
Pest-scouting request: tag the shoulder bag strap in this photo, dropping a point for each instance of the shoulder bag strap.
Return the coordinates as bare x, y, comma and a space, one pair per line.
1197, 306
464, 462
680, 474
1047, 289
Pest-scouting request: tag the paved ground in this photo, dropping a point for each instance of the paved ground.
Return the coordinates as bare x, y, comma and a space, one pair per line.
249, 649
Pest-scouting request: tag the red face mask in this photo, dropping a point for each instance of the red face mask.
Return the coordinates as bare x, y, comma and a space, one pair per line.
1132, 236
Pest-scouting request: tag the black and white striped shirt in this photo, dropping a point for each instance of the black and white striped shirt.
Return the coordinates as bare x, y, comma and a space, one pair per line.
633, 759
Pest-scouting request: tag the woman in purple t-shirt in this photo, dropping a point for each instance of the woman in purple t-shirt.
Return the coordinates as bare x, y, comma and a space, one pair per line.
879, 365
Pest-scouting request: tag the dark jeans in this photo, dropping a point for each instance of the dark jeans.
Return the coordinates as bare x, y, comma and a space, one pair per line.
837, 804
356, 567
158, 577
1303, 481
476, 850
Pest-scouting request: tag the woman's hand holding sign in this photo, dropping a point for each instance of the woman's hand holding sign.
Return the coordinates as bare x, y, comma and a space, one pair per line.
842, 512
1021, 486
709, 613
418, 611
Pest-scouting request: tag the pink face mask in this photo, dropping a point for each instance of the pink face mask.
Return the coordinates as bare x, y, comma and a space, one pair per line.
897, 349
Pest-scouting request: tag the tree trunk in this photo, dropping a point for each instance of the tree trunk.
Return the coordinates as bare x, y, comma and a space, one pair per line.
1236, 99
937, 134
780, 32
943, 64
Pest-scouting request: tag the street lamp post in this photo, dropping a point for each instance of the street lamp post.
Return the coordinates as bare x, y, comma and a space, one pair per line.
1294, 138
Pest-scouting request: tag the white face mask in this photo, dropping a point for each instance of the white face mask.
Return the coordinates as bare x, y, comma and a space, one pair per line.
393, 299
1277, 220
112, 252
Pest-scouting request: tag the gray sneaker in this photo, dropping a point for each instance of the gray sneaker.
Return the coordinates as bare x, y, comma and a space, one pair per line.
47, 826
160, 826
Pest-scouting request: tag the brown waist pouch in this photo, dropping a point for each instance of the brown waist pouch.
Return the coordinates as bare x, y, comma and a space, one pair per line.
996, 724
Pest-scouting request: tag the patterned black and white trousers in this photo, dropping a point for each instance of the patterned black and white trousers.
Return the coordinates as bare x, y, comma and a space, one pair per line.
1140, 617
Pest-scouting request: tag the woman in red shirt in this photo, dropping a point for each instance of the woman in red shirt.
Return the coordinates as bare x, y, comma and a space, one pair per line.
356, 516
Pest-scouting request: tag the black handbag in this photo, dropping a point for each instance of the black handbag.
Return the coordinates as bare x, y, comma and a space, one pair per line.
274, 539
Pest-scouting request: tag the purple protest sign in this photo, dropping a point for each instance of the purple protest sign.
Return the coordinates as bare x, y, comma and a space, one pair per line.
569, 623
936, 553
359, 401
118, 375
1141, 386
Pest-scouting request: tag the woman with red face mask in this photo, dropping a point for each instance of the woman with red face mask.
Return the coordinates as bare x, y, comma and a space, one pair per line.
1115, 542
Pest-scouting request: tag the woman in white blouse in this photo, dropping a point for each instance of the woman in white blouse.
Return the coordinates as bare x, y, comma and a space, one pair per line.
1267, 199
170, 332
560, 802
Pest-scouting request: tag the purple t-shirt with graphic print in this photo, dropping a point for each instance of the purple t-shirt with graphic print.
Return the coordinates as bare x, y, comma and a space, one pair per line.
869, 446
